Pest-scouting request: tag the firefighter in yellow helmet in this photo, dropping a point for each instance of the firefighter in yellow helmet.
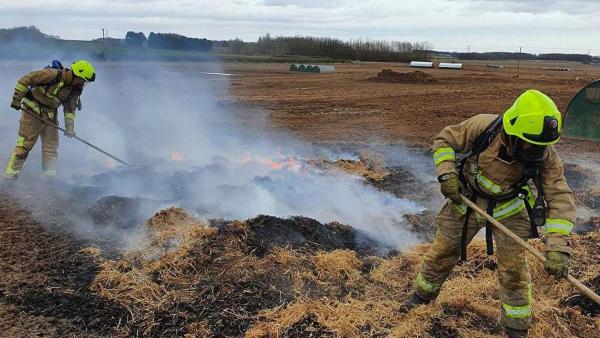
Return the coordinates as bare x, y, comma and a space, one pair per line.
42, 92
505, 156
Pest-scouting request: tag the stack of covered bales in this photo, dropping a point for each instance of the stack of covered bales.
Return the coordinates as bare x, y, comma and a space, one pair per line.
311, 68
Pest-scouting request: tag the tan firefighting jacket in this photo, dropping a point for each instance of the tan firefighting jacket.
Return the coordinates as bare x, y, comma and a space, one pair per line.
494, 174
48, 91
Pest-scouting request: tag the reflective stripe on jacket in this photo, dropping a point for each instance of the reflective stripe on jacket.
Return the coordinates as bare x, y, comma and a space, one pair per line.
46, 91
496, 174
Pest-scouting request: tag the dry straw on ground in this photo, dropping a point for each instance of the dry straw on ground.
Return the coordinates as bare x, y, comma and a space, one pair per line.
204, 281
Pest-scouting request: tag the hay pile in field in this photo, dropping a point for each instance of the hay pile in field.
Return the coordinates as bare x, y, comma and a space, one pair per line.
228, 280
390, 76
396, 180
355, 167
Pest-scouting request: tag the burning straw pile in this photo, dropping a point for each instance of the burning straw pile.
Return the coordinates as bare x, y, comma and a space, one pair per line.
270, 277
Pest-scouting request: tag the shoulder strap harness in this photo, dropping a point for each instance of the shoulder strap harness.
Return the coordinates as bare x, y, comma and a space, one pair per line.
532, 171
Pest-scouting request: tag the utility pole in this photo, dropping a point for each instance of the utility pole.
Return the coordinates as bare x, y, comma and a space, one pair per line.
102, 33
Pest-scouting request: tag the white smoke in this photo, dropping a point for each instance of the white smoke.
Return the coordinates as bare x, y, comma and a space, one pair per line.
145, 112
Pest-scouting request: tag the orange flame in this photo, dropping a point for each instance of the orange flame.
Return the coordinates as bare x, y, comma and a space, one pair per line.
176, 156
289, 163
274, 165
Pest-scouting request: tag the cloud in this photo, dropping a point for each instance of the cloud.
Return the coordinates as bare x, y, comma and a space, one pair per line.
448, 24
588, 7
315, 4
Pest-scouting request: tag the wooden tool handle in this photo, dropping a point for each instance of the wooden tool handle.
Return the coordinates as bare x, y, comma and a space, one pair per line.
578, 285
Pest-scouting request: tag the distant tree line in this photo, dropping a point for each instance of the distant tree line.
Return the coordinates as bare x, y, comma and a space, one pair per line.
585, 58
179, 42
365, 50
30, 34
135, 39
493, 56
168, 41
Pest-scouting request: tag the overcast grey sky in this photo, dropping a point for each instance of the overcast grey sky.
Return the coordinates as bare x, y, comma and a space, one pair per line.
455, 25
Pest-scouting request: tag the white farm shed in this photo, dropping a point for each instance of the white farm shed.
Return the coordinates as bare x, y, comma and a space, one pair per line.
421, 64
450, 65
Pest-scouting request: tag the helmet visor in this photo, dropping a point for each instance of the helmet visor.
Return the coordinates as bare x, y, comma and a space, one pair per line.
91, 78
550, 133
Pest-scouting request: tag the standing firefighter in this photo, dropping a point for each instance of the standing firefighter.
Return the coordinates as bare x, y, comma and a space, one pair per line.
502, 158
42, 92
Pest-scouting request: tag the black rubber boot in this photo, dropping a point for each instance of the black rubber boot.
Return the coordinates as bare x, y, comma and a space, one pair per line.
412, 302
514, 333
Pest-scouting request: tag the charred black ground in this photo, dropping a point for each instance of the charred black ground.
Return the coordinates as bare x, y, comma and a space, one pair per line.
588, 307
44, 280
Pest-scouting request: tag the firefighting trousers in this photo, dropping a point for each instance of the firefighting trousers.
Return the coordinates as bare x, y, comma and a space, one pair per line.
513, 272
30, 128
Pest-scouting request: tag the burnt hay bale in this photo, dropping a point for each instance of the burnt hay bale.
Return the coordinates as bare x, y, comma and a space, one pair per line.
297, 232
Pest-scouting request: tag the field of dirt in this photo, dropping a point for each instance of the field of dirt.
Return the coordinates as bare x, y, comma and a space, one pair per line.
345, 107
292, 277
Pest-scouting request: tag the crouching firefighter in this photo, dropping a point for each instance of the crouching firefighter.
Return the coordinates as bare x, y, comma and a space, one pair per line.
500, 160
41, 93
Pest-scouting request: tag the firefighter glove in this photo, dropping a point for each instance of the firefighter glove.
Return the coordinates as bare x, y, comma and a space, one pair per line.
451, 187
557, 264
70, 128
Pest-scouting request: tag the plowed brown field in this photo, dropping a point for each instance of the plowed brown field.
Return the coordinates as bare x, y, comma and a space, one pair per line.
345, 107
